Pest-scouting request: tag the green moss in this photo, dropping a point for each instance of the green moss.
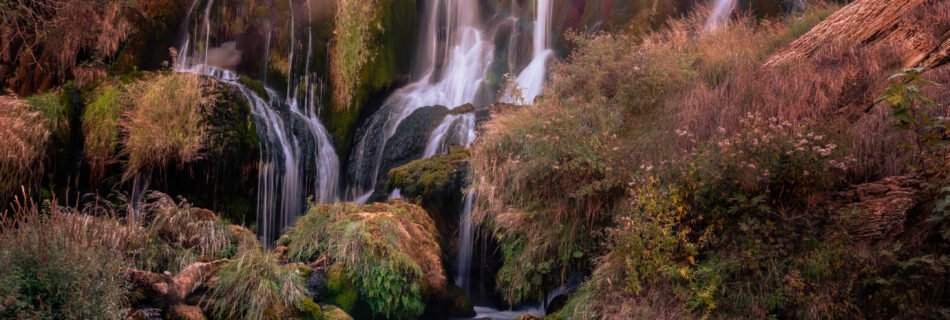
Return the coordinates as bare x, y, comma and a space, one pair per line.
428, 177
310, 309
340, 289
100, 120
385, 39
54, 106
255, 85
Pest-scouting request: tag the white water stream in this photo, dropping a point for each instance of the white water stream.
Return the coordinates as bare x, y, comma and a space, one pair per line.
292, 139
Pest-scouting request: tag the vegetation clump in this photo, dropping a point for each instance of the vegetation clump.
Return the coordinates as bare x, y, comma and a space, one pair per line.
254, 286
23, 150
55, 264
166, 126
350, 52
388, 251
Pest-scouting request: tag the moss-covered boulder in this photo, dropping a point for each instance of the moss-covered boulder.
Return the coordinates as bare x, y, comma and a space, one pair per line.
389, 251
436, 179
437, 184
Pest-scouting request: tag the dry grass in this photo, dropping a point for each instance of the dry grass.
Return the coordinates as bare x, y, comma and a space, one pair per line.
23, 146
166, 126
57, 264
43, 38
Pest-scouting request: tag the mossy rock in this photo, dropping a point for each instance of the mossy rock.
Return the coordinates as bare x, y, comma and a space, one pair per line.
433, 177
311, 310
340, 290
387, 252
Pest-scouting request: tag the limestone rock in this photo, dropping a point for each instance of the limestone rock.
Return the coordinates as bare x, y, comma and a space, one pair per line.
918, 28
883, 206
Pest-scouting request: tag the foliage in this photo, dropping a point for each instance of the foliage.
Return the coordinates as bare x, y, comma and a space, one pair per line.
255, 286
354, 31
730, 230
389, 253
166, 126
911, 109
52, 265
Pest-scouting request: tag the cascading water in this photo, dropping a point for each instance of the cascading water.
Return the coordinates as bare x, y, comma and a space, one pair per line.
456, 55
720, 13
531, 79
297, 157
466, 243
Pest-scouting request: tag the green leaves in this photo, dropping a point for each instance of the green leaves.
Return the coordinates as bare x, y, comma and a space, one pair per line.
909, 110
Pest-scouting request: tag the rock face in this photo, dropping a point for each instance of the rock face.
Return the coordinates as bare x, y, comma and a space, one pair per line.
917, 28
882, 206
408, 143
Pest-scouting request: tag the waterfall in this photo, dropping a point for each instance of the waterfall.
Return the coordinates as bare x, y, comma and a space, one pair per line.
466, 243
720, 14
455, 55
531, 79
297, 159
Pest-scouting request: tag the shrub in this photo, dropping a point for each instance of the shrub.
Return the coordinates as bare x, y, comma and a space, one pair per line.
389, 252
166, 126
732, 229
255, 286
54, 266
52, 38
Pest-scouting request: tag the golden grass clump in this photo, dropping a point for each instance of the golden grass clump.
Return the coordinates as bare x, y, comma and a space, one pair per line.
166, 125
23, 146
